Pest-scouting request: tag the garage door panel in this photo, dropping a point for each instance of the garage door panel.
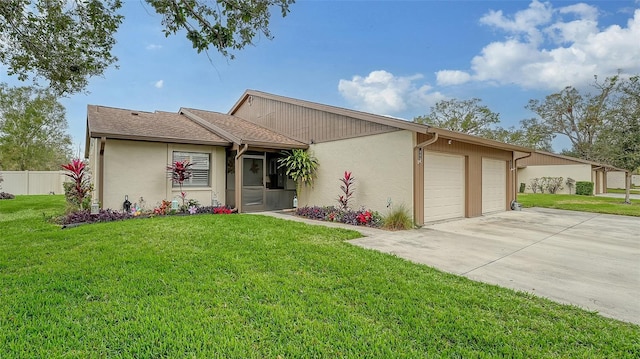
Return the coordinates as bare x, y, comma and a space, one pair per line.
494, 185
444, 187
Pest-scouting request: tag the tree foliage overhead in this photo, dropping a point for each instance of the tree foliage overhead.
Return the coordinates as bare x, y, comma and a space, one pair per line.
66, 42
579, 117
618, 143
32, 130
227, 25
466, 116
63, 41
471, 117
531, 134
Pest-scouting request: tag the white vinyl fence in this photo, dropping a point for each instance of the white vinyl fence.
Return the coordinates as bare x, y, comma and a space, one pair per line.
33, 182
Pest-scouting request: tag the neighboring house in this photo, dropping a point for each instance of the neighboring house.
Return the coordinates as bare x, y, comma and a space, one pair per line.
544, 164
436, 174
618, 179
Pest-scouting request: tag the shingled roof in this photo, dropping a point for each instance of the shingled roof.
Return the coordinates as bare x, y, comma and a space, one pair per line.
148, 126
187, 126
241, 131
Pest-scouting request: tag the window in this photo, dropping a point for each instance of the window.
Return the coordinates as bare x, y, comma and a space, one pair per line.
200, 168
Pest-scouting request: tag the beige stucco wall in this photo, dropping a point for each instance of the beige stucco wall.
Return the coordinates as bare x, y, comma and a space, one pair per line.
381, 165
617, 180
94, 144
579, 172
138, 169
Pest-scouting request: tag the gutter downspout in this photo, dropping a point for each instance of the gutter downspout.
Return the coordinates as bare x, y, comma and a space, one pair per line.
418, 180
515, 175
103, 141
238, 178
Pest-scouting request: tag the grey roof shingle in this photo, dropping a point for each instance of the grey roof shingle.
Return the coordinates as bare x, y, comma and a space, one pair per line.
151, 126
246, 131
207, 127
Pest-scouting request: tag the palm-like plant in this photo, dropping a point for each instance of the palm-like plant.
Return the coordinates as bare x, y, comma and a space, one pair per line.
77, 170
301, 166
347, 189
179, 172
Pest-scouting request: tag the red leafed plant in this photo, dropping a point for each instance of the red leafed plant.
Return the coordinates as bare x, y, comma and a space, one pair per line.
364, 217
346, 187
179, 172
77, 170
221, 210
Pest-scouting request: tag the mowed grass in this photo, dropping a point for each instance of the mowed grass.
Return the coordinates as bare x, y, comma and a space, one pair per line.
574, 202
248, 286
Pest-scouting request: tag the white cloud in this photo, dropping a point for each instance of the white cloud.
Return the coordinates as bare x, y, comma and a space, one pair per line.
153, 47
452, 77
525, 21
381, 92
549, 48
159, 84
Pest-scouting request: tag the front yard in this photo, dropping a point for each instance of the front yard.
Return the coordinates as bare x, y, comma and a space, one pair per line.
574, 202
248, 286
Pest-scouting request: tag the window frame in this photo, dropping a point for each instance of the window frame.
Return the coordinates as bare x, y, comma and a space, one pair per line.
199, 171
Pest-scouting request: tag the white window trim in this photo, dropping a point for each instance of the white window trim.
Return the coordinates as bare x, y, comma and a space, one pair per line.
201, 167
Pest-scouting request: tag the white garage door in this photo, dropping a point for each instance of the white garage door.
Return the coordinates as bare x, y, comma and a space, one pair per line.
444, 186
494, 185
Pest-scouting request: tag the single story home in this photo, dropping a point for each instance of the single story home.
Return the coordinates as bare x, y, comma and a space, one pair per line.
618, 180
436, 174
545, 164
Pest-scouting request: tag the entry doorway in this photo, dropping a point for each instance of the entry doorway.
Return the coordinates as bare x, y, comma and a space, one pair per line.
253, 184
265, 185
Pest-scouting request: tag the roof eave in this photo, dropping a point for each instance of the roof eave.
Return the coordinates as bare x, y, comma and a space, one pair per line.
580, 160
276, 146
120, 136
463, 137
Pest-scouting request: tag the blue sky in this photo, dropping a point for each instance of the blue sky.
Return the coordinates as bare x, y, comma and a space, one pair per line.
395, 58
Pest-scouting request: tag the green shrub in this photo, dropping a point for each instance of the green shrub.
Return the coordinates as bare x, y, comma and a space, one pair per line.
523, 186
584, 188
398, 219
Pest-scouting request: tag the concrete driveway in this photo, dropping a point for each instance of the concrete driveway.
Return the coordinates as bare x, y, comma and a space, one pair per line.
585, 259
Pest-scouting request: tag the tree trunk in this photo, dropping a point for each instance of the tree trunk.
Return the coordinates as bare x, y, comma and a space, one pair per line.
627, 186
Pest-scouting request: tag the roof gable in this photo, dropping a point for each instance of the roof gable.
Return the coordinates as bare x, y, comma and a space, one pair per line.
369, 117
241, 131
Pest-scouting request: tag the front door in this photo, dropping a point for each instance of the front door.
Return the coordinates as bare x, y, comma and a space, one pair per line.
253, 190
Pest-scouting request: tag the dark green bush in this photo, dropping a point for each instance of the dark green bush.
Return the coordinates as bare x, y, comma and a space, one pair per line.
523, 186
584, 188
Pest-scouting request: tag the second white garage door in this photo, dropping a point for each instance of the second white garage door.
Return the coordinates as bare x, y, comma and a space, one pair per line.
494, 185
444, 186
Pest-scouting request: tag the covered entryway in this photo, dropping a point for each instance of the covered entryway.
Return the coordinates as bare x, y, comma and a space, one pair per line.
494, 185
444, 186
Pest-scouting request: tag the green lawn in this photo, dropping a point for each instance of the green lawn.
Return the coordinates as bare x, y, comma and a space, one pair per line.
247, 286
580, 203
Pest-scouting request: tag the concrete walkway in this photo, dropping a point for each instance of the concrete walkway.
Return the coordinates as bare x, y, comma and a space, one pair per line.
618, 195
585, 259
